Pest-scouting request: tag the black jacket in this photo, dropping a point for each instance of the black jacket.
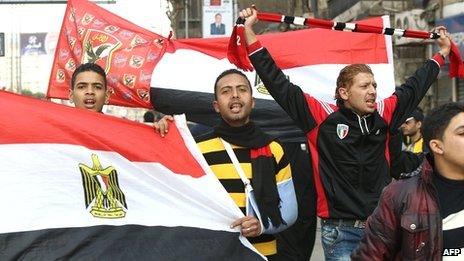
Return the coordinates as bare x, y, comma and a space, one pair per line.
349, 153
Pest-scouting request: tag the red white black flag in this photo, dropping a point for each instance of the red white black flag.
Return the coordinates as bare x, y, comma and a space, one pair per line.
75, 184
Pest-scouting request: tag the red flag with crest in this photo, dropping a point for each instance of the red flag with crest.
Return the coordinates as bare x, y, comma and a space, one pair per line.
127, 53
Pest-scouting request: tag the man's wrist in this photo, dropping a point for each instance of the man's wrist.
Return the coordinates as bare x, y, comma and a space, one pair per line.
439, 59
253, 47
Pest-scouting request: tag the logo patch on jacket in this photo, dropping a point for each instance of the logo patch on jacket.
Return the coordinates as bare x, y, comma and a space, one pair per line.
342, 130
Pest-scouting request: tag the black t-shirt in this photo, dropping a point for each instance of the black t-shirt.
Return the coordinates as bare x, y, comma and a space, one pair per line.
451, 198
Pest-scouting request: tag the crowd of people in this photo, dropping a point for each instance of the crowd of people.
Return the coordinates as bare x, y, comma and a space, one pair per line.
356, 146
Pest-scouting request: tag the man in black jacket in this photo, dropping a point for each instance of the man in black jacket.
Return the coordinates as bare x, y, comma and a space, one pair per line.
349, 140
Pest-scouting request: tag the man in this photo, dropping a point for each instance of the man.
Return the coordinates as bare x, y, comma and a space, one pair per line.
422, 218
88, 87
217, 28
403, 164
261, 158
411, 128
297, 242
348, 140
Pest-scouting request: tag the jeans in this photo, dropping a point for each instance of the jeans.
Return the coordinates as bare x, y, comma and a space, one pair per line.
339, 241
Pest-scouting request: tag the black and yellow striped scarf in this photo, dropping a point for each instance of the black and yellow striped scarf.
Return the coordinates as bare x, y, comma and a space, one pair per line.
262, 164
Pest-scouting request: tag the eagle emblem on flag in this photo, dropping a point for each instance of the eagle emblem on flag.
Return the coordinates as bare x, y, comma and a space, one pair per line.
259, 85
99, 47
60, 75
70, 65
143, 94
101, 188
87, 19
136, 61
129, 80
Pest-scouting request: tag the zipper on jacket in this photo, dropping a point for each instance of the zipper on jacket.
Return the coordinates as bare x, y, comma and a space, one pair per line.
419, 248
360, 124
362, 121
365, 124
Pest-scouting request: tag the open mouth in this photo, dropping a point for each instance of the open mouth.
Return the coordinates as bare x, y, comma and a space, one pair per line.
370, 102
89, 102
236, 107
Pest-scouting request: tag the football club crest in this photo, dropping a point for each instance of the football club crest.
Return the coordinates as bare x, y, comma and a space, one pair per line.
126, 34
71, 41
126, 95
63, 54
72, 15
129, 80
145, 77
111, 91
137, 40
102, 191
97, 23
119, 60
60, 75
342, 130
70, 65
136, 61
87, 19
99, 47
111, 29
78, 51
143, 94
80, 31
159, 42
151, 56
112, 79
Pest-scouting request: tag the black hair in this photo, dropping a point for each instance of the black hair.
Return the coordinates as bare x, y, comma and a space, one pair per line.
417, 114
438, 120
148, 117
88, 67
227, 72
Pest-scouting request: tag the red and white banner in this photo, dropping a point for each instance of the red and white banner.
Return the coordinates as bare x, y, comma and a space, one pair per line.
79, 184
311, 58
127, 52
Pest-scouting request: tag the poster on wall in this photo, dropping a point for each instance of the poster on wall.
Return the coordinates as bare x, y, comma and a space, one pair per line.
32, 44
217, 18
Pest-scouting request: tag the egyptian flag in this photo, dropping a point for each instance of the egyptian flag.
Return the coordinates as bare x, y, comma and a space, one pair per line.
80, 185
183, 80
